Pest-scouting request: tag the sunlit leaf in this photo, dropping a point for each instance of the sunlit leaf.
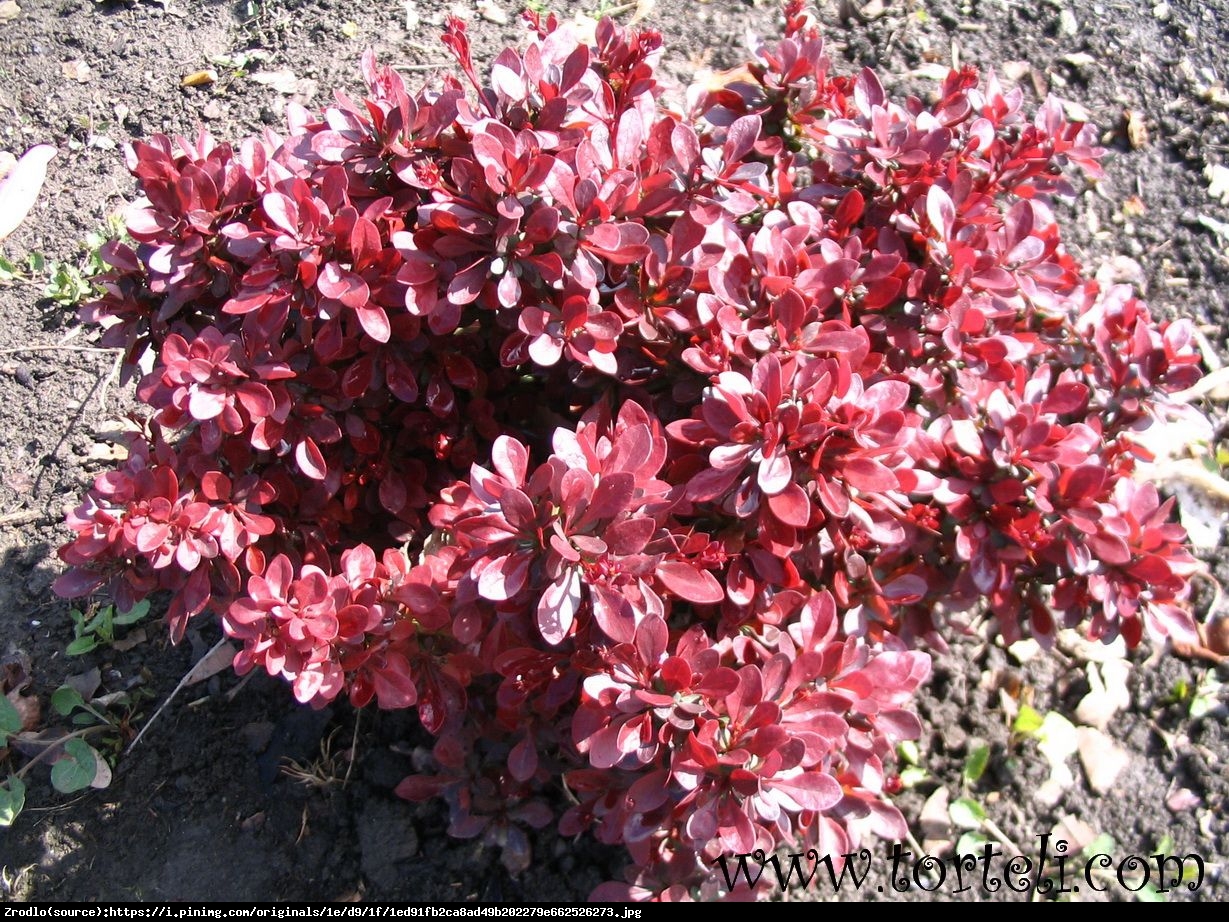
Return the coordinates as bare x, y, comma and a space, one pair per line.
138, 611
76, 768
66, 699
976, 762
12, 799
966, 813
1027, 722
10, 719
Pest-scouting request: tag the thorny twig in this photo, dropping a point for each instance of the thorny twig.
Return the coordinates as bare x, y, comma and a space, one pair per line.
171, 697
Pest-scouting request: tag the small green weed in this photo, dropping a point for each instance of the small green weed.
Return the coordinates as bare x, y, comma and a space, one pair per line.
96, 626
76, 764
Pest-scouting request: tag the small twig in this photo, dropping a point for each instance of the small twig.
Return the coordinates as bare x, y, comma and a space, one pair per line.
21, 517
891, 43
1169, 739
418, 67
302, 826
72, 334
98, 350
59, 808
619, 10
1206, 350
234, 692
162, 707
116, 366
1001, 837
358, 718
51, 746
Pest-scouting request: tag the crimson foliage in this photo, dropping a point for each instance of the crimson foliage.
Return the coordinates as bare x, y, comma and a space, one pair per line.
636, 448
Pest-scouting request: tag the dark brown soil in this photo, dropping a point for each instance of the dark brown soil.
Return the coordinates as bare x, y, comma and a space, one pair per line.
203, 808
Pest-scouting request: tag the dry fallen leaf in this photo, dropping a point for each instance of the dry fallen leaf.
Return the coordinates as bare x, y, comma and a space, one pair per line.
284, 81
1102, 758
1079, 59
1024, 650
1217, 634
643, 9
101, 451
27, 707
1121, 269
934, 820
133, 638
85, 683
1137, 129
1108, 694
209, 665
21, 186
1016, 70
1197, 651
77, 70
1076, 112
31, 743
1074, 831
1218, 182
933, 71
492, 12
200, 77
871, 10
102, 774
115, 430
1133, 206
1181, 800
1057, 740
15, 672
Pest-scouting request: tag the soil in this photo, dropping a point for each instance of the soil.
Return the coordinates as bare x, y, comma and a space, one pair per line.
208, 806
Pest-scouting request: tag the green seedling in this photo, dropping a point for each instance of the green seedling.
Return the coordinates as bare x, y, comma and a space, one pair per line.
76, 764
13, 791
967, 813
114, 712
240, 62
1028, 721
1197, 700
26, 270
66, 284
113, 229
1205, 699
1180, 693
975, 763
10, 720
912, 774
1138, 884
96, 626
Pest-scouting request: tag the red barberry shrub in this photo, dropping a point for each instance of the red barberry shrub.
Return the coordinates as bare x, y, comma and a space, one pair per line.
638, 448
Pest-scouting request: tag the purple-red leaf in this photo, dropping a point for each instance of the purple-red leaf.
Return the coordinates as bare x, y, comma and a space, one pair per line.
688, 582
